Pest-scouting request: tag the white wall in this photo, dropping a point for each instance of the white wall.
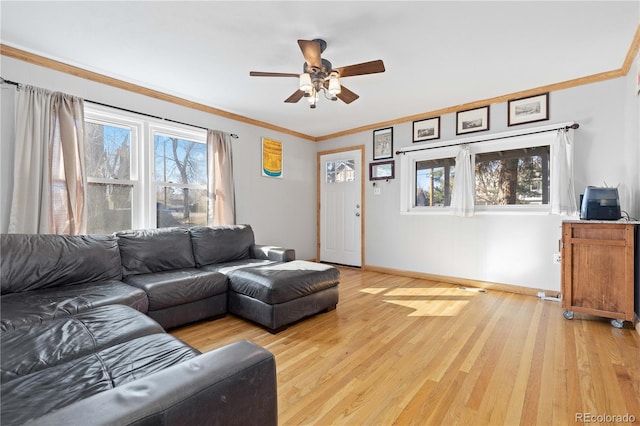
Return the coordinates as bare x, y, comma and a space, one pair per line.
281, 211
514, 249
509, 249
632, 132
632, 113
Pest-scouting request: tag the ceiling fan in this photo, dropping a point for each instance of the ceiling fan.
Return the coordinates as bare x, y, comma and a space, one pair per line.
318, 75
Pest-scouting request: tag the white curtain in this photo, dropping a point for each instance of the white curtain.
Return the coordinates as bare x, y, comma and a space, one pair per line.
462, 198
69, 179
562, 197
30, 213
49, 183
221, 185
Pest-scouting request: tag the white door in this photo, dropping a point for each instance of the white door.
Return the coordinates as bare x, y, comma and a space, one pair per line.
341, 208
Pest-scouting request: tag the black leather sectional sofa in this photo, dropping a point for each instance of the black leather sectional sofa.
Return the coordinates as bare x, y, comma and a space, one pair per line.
77, 347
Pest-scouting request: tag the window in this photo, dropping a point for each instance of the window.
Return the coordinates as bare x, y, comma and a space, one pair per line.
434, 182
111, 173
172, 191
511, 173
340, 171
180, 171
517, 176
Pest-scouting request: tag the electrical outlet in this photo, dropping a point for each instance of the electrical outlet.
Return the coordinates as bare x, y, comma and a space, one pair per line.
557, 258
376, 191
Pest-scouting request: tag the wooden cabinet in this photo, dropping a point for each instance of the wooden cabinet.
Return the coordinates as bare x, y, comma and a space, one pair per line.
598, 273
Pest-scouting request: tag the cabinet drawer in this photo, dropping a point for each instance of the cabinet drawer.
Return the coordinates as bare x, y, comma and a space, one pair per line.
589, 232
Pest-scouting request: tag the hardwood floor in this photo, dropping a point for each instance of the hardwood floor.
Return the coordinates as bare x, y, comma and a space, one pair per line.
406, 351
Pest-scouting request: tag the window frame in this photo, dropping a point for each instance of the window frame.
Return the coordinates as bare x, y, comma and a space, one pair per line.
142, 172
106, 117
180, 132
494, 143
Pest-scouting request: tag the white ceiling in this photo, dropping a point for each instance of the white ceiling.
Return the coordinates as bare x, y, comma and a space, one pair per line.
437, 54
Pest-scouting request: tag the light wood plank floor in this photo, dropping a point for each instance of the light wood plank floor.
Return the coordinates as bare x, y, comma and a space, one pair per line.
406, 351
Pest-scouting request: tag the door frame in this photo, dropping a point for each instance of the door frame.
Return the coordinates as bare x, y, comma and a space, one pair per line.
319, 155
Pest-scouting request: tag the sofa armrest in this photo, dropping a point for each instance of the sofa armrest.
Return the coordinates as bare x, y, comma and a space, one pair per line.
278, 254
232, 385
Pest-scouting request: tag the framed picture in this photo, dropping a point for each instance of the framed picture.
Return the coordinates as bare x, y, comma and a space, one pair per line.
383, 143
382, 170
271, 158
472, 120
425, 130
528, 110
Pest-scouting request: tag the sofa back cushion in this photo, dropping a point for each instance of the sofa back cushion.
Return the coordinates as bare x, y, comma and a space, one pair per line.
220, 244
30, 262
155, 250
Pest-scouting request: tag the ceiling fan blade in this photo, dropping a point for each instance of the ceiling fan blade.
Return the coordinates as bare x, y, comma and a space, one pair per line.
371, 67
272, 74
346, 95
297, 95
311, 51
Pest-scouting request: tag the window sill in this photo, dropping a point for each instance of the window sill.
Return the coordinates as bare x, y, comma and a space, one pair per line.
484, 211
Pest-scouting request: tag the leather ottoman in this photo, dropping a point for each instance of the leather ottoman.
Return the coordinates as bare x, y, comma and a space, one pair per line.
280, 294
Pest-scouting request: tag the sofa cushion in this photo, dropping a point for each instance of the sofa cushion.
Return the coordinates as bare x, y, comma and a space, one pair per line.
171, 288
36, 394
219, 244
227, 267
282, 282
232, 385
23, 309
31, 262
50, 343
155, 250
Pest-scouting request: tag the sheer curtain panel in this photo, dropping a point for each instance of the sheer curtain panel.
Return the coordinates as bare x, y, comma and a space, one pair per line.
49, 178
462, 196
562, 197
69, 179
221, 185
30, 212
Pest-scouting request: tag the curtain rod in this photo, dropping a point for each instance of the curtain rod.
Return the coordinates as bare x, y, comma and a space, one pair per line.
563, 126
233, 135
3, 81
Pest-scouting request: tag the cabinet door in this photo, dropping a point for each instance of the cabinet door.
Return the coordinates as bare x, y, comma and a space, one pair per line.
598, 274
598, 280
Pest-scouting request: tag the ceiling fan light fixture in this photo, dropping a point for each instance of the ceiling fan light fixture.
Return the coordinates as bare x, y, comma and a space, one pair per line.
305, 82
312, 97
318, 75
334, 84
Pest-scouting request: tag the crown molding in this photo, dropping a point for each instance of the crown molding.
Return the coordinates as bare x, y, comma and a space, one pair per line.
34, 59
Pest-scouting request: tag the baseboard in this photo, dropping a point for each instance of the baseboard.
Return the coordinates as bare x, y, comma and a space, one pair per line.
528, 291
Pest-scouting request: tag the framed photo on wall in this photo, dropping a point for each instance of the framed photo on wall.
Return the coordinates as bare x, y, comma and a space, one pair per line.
383, 143
472, 120
426, 130
382, 170
528, 110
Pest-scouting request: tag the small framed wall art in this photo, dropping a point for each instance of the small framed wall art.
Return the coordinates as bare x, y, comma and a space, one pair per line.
528, 110
383, 143
382, 170
472, 120
426, 130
